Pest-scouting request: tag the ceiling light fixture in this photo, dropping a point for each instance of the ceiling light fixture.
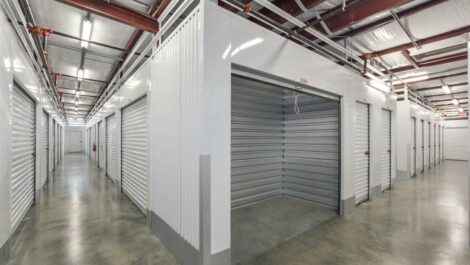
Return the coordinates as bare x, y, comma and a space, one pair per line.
410, 80
460, 109
86, 32
455, 102
446, 89
77, 94
80, 74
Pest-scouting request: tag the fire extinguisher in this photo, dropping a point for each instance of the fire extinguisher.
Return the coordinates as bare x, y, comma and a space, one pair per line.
94, 148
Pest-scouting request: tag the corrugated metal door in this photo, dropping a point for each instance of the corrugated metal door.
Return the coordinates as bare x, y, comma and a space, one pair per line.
111, 158
434, 146
412, 151
426, 144
44, 148
53, 144
422, 145
23, 155
386, 150
429, 145
361, 121
134, 153
439, 144
101, 145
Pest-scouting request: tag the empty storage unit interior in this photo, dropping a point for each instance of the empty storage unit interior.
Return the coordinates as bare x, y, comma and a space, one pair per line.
285, 166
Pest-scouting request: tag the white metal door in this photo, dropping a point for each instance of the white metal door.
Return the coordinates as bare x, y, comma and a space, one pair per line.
53, 144
439, 144
23, 156
101, 145
412, 151
422, 145
134, 153
111, 157
44, 148
361, 121
429, 145
386, 150
434, 146
426, 144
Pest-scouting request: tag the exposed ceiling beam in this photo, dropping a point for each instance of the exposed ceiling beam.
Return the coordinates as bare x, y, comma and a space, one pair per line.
410, 59
433, 62
386, 20
291, 7
440, 87
441, 95
116, 12
438, 77
450, 99
421, 42
84, 79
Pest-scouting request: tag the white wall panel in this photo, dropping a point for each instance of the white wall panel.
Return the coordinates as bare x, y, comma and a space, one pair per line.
412, 148
175, 126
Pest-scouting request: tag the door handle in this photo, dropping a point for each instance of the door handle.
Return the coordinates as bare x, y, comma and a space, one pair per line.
389, 150
366, 152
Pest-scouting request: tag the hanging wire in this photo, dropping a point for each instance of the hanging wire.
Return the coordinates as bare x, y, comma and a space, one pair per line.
296, 105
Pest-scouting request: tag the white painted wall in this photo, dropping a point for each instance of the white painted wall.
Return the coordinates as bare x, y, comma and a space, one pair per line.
74, 139
456, 137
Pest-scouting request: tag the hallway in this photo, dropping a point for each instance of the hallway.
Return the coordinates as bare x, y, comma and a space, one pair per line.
82, 219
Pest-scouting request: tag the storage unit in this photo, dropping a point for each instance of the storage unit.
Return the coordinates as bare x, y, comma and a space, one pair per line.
434, 145
44, 148
439, 144
134, 153
426, 139
111, 157
22, 155
361, 152
386, 150
429, 145
101, 145
284, 143
412, 150
454, 149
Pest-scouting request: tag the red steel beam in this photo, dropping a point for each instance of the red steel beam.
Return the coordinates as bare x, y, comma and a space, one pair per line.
421, 42
435, 61
384, 21
410, 59
440, 87
116, 12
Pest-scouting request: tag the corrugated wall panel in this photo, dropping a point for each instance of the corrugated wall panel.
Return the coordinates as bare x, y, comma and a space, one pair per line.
257, 141
385, 150
111, 152
23, 158
134, 153
175, 109
311, 149
44, 148
102, 145
361, 121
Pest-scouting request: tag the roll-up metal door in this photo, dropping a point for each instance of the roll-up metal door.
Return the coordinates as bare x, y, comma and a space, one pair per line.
53, 144
386, 150
419, 140
111, 157
426, 145
412, 150
23, 155
429, 145
361, 122
434, 146
101, 145
44, 148
439, 144
134, 153
422, 145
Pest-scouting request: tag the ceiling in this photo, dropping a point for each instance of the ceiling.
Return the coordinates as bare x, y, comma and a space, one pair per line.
371, 28
108, 46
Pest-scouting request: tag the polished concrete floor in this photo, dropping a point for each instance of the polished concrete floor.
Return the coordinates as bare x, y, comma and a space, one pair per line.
259, 227
82, 219
423, 221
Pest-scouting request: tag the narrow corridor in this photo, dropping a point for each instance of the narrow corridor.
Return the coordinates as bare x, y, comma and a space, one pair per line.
82, 219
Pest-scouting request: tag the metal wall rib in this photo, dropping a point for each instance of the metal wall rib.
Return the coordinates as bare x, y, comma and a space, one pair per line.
111, 156
134, 153
23, 155
257, 141
311, 149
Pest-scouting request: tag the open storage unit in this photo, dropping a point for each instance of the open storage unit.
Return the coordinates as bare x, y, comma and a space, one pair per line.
285, 162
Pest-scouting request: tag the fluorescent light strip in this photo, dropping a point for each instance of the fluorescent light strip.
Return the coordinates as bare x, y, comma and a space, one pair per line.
86, 32
455, 102
446, 89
